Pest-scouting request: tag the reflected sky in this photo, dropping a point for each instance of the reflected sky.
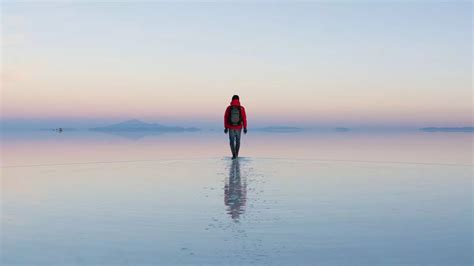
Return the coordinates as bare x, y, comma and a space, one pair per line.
95, 199
48, 147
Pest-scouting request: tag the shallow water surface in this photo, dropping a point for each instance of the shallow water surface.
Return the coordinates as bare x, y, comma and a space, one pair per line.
306, 199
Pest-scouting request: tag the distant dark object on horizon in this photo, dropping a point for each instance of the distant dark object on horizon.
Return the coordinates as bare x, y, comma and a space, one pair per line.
447, 129
137, 125
59, 129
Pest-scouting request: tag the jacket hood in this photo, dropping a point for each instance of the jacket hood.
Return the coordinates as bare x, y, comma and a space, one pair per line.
235, 102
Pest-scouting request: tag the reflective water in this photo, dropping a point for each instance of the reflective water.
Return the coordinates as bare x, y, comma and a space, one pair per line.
83, 198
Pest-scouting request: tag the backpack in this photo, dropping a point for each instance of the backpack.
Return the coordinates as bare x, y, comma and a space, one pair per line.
235, 117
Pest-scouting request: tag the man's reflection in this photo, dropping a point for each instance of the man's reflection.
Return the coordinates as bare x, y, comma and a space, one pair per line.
235, 191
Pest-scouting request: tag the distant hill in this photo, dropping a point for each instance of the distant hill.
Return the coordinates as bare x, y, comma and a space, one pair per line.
290, 129
342, 129
278, 129
137, 125
447, 129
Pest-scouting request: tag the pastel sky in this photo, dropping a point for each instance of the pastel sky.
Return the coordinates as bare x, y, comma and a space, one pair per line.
344, 63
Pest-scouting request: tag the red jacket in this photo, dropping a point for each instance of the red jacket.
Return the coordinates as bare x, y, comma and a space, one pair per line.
242, 112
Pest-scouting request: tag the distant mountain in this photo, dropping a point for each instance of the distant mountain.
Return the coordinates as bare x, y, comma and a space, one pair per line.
447, 129
137, 125
134, 135
280, 129
342, 129
290, 129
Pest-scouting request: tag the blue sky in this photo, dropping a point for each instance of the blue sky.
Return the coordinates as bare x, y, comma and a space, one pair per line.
344, 63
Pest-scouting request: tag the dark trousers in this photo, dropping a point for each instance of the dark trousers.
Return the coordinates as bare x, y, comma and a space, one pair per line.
234, 139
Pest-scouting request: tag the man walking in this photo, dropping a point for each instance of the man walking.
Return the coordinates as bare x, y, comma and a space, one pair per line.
234, 119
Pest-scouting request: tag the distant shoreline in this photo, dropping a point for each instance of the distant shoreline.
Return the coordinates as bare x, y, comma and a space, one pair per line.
447, 129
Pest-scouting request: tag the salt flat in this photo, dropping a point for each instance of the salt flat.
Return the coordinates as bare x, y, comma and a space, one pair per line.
308, 199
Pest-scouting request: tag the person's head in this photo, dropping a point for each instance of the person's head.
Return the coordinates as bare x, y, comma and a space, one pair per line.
235, 97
